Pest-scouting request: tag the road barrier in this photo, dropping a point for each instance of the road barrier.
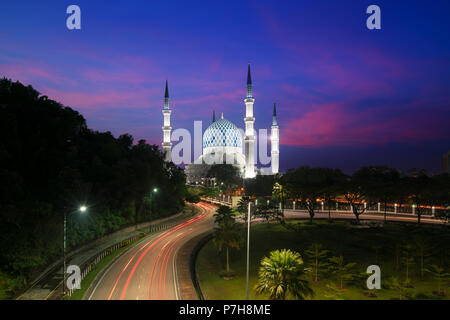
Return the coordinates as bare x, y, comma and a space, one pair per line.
216, 201
89, 265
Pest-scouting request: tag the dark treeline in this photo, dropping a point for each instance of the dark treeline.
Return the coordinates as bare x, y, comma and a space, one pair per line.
51, 162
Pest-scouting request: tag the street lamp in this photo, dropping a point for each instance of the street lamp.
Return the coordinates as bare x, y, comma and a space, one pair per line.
155, 190
248, 249
80, 209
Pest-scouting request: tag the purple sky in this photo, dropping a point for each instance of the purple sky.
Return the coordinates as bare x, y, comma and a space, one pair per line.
346, 96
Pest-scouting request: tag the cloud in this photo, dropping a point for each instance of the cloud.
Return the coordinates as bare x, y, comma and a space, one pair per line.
344, 124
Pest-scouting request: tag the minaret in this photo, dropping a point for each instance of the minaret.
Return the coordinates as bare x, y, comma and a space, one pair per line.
214, 116
249, 130
274, 141
167, 145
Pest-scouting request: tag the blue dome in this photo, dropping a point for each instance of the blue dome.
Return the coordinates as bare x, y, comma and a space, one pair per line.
222, 133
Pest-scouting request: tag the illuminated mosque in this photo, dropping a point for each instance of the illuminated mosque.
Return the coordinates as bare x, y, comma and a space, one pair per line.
223, 142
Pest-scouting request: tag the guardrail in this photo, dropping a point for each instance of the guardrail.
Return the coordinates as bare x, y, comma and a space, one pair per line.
216, 201
89, 265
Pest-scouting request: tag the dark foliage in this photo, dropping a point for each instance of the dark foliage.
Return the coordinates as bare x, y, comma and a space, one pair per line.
51, 162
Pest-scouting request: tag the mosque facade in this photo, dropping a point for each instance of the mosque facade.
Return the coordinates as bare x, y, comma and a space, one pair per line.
224, 143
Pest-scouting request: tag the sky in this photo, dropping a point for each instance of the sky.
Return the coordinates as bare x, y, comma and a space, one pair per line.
346, 96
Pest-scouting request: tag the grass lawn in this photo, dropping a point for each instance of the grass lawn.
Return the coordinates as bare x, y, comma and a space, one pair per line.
363, 246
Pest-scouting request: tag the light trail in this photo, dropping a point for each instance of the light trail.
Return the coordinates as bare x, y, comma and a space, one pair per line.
150, 242
153, 244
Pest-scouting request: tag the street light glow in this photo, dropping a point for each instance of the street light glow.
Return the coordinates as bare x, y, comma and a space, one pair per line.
83, 208
155, 190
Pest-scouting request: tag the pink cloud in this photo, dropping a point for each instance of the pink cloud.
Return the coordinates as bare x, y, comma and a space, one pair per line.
107, 98
28, 71
342, 124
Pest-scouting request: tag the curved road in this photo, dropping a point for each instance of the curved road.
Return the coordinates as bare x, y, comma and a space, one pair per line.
148, 269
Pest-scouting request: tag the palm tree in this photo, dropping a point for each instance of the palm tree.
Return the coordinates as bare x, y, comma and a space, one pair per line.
242, 208
227, 233
282, 273
223, 214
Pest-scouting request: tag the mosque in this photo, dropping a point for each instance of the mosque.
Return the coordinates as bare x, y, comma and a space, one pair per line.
223, 142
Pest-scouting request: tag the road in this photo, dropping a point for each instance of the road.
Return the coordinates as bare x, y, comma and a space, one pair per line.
148, 269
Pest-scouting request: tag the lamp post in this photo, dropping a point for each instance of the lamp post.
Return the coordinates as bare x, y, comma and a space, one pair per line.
82, 209
155, 190
248, 249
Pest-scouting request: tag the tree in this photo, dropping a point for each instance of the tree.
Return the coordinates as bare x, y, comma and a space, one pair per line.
426, 192
267, 211
193, 195
307, 184
317, 259
442, 195
227, 233
423, 250
438, 274
212, 192
279, 195
384, 184
377, 249
282, 274
227, 176
260, 186
402, 287
359, 189
242, 208
334, 178
342, 271
51, 162
333, 292
407, 259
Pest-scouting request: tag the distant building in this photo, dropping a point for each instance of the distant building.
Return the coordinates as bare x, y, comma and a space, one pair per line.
445, 162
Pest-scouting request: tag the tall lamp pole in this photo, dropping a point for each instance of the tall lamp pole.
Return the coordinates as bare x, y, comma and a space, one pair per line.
155, 190
64, 252
81, 209
248, 249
